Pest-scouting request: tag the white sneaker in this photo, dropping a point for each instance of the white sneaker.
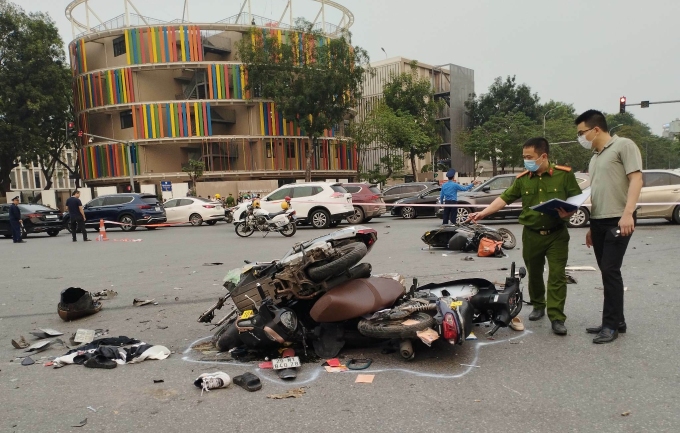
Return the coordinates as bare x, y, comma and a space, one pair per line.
208, 381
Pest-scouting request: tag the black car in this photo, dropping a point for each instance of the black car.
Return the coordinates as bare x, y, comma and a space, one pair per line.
37, 219
429, 197
130, 210
395, 193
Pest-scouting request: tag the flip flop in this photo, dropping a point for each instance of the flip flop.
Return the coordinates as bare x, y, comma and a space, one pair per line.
100, 361
248, 381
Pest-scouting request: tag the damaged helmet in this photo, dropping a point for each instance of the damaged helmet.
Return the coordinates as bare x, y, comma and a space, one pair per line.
76, 303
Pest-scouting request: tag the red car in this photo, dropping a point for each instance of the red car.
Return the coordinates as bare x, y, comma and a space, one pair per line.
365, 193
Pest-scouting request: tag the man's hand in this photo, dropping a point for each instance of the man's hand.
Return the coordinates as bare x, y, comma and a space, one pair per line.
564, 214
476, 182
627, 225
475, 216
589, 239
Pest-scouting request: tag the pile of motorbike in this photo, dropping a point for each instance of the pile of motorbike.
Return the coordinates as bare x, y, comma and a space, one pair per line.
320, 296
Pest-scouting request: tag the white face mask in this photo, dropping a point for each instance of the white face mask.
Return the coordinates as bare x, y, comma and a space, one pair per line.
583, 141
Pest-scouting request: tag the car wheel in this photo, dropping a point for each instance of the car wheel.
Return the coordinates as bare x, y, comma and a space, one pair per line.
128, 223
53, 233
408, 212
211, 222
580, 218
462, 215
320, 219
195, 219
676, 215
357, 217
509, 241
367, 219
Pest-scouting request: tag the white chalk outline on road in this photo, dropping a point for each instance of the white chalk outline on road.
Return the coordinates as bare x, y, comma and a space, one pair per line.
315, 373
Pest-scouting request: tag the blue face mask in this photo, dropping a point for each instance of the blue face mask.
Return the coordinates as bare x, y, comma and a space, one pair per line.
532, 165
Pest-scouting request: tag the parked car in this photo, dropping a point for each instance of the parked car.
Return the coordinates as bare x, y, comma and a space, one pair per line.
195, 210
659, 186
37, 219
488, 191
429, 196
365, 193
129, 209
406, 190
321, 204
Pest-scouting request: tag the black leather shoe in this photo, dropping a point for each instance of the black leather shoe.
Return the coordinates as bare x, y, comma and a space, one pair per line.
597, 329
558, 327
537, 314
606, 335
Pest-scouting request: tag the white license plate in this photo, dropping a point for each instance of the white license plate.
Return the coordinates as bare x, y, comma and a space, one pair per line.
158, 209
51, 217
281, 363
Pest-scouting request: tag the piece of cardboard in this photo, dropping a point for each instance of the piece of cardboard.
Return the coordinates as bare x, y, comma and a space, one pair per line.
428, 336
365, 378
84, 336
410, 322
338, 369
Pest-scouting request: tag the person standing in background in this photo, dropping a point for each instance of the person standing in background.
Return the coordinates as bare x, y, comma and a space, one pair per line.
77, 216
15, 221
449, 195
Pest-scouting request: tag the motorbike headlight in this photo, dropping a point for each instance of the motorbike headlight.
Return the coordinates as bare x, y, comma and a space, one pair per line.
289, 320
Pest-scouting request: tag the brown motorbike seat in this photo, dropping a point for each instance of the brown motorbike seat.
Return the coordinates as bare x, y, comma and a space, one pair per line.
356, 298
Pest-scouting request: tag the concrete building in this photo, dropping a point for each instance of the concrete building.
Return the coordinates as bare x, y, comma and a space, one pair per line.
28, 180
163, 93
451, 83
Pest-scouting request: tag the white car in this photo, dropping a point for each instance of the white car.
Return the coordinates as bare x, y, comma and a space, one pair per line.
194, 210
321, 204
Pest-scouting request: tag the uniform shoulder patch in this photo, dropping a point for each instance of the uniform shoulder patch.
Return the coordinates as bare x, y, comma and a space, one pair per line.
563, 168
523, 173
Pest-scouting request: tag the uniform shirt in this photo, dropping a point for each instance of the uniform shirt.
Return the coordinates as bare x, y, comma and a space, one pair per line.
230, 201
73, 204
14, 213
556, 182
609, 170
450, 191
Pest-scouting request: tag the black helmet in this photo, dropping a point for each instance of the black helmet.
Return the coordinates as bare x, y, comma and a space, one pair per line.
458, 242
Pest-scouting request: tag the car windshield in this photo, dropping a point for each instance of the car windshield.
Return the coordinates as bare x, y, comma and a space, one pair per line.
150, 200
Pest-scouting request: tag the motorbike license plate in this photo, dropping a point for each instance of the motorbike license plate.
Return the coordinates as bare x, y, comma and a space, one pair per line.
281, 363
247, 314
158, 208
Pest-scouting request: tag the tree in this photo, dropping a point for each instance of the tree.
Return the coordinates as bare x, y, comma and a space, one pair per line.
34, 88
195, 170
317, 85
499, 140
407, 120
503, 97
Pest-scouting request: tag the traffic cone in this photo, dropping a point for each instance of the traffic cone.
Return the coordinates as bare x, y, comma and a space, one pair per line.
102, 231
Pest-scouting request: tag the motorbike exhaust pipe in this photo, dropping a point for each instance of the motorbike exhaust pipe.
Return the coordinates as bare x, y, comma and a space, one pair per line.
406, 349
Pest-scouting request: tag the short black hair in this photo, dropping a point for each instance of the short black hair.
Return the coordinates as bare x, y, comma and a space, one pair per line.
539, 144
75, 192
592, 119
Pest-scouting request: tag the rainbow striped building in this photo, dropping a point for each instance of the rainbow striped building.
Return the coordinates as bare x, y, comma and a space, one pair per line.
175, 91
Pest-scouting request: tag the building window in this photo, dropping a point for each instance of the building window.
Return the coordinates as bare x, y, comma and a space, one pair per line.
268, 146
13, 180
36, 176
119, 46
126, 119
291, 150
24, 178
69, 160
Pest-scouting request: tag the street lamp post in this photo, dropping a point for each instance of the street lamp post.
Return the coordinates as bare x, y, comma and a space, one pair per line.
128, 147
546, 113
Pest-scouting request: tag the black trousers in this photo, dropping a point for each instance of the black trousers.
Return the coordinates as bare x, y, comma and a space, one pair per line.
450, 212
609, 252
79, 224
16, 231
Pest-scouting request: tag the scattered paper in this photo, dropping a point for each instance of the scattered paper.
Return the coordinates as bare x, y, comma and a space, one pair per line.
141, 302
410, 322
338, 369
39, 346
84, 336
291, 393
335, 362
365, 378
46, 333
580, 268
427, 336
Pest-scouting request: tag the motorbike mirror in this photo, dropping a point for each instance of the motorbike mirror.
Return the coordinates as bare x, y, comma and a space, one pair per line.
522, 272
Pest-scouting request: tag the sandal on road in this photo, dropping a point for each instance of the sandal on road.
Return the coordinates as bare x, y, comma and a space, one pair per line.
248, 381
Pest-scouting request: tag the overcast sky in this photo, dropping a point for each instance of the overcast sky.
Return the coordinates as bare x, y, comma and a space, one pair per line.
585, 52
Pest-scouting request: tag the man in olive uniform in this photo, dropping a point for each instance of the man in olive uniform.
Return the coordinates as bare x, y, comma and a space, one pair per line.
545, 236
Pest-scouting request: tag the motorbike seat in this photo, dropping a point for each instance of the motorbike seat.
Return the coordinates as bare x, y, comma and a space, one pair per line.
272, 215
356, 298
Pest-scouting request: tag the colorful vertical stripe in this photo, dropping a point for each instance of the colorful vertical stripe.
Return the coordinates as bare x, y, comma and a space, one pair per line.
272, 123
227, 82
164, 44
178, 119
104, 88
108, 160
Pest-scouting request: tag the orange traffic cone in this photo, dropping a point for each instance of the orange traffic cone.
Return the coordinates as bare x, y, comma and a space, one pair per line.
102, 231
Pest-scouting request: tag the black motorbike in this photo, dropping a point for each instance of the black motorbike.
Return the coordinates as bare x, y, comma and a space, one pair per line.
466, 236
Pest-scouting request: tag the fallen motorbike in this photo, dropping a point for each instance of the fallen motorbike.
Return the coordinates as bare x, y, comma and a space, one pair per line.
258, 219
317, 294
466, 236
229, 214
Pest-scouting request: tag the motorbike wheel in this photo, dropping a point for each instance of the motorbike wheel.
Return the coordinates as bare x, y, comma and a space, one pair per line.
243, 230
350, 255
388, 329
509, 240
289, 230
226, 337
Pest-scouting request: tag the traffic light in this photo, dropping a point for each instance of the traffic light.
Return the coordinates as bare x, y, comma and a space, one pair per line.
622, 105
71, 131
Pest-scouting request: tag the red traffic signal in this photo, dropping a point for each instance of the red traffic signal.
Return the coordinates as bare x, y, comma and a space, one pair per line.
71, 131
80, 133
622, 105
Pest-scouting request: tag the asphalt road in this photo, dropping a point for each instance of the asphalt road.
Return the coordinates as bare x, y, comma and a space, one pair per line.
532, 381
